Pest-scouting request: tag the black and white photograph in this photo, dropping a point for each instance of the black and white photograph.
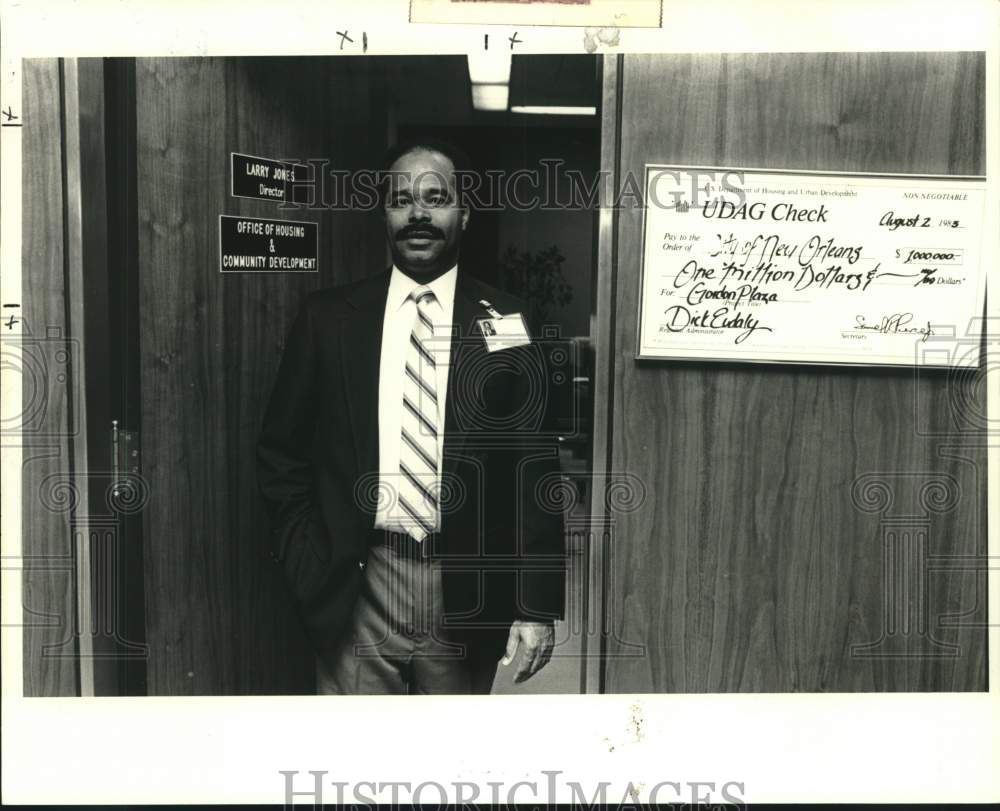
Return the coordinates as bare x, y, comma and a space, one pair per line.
500, 370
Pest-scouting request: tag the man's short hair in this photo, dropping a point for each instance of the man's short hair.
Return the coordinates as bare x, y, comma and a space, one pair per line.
459, 159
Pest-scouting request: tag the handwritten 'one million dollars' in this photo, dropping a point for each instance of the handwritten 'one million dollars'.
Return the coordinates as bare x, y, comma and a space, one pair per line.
812, 268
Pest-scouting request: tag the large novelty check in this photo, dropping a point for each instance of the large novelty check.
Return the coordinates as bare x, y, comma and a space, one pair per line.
812, 268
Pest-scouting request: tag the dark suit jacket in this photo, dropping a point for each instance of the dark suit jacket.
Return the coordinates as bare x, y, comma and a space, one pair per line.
501, 539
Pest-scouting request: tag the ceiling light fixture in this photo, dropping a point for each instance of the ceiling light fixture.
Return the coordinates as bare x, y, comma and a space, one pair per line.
489, 75
490, 97
489, 67
540, 109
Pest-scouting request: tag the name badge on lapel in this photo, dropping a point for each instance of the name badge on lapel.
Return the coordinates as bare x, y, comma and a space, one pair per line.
503, 331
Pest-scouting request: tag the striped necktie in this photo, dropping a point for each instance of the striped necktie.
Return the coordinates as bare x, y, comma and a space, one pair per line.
417, 508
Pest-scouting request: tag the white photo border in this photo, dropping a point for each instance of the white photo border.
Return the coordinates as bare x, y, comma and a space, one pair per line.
781, 747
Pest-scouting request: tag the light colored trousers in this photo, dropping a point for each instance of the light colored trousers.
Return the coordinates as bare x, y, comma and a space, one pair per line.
395, 643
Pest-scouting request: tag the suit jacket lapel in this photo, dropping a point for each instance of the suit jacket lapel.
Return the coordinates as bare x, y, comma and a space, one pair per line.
361, 349
466, 348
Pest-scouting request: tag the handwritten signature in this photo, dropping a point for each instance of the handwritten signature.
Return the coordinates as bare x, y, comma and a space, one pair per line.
895, 323
680, 318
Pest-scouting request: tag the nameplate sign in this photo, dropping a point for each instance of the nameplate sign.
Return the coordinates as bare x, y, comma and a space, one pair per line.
269, 179
804, 267
251, 244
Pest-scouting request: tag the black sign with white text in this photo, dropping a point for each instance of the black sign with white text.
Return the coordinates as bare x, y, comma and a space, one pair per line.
254, 244
267, 179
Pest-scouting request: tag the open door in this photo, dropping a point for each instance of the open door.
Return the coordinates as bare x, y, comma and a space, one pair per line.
168, 588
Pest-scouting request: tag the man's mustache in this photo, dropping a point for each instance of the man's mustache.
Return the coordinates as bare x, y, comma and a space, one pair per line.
419, 232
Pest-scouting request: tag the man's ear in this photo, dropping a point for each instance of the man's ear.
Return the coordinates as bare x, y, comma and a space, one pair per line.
465, 217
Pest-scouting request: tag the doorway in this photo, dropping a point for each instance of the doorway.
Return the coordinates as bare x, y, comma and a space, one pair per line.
183, 356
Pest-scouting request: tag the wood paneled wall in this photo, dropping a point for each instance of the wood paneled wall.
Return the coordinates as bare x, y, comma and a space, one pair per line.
50, 392
218, 620
750, 566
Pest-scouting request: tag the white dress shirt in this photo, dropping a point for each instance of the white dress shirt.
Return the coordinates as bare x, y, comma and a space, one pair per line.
400, 312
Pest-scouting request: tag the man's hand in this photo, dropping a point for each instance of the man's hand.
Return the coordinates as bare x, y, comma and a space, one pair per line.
535, 641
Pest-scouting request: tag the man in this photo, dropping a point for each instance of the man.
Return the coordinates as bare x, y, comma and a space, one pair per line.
403, 460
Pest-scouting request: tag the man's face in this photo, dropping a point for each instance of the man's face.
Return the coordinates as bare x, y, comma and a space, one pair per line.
423, 221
